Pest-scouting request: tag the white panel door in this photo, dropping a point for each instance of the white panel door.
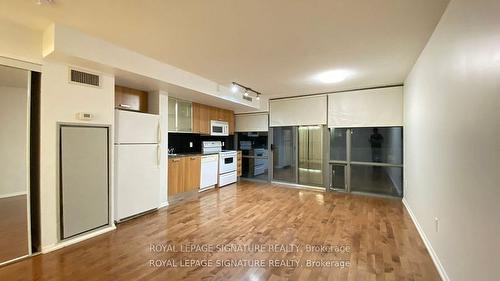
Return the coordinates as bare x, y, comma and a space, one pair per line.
137, 127
84, 179
137, 179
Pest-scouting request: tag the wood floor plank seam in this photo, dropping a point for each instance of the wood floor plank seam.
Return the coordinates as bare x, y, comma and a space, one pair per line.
384, 244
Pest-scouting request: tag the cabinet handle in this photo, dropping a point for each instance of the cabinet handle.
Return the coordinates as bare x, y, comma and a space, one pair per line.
193, 158
176, 160
124, 105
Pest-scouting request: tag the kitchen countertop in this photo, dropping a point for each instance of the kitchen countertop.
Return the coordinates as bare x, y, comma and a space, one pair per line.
187, 154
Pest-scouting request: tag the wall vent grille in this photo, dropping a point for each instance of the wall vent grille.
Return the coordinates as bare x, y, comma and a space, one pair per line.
247, 98
80, 77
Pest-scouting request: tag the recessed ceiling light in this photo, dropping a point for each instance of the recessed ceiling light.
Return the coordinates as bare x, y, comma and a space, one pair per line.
333, 76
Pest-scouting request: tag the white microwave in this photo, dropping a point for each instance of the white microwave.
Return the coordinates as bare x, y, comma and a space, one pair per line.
219, 128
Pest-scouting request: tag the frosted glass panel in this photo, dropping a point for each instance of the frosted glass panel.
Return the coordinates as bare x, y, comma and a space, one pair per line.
184, 122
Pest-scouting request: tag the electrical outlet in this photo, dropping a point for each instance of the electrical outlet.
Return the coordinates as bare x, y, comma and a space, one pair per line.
436, 223
223, 144
191, 144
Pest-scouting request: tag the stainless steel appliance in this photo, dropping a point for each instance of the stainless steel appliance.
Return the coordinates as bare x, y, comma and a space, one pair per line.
219, 128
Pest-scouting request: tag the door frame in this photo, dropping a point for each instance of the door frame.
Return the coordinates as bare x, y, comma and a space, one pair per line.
348, 162
325, 164
59, 126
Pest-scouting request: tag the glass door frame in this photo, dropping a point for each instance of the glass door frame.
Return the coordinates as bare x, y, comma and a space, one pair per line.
268, 158
270, 141
326, 158
347, 164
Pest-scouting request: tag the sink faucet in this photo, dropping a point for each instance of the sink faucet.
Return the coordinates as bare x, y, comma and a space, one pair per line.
171, 150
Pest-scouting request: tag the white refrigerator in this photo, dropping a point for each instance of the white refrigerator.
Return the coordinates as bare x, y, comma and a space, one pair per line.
137, 163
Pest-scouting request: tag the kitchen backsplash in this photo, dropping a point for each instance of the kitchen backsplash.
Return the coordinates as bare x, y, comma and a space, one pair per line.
180, 142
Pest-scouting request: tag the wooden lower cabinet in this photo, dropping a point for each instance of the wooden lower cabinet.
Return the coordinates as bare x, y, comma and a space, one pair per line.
176, 180
183, 174
192, 173
239, 160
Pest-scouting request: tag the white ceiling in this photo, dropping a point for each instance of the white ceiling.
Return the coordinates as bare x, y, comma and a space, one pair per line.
273, 46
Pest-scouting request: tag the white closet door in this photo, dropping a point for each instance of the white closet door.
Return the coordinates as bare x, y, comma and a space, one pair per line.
84, 181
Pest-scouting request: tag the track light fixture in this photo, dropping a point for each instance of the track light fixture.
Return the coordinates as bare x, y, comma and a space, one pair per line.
235, 87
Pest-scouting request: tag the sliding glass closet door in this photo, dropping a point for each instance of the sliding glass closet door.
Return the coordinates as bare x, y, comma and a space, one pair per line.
284, 149
298, 155
14, 151
310, 155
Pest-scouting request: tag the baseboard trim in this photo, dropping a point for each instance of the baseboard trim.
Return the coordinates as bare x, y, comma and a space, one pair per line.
435, 259
163, 205
60, 245
13, 194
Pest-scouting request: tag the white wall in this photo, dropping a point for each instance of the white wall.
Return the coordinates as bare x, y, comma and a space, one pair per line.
20, 43
13, 140
60, 102
452, 135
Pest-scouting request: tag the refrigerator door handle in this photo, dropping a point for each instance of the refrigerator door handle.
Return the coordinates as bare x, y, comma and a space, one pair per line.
159, 132
158, 155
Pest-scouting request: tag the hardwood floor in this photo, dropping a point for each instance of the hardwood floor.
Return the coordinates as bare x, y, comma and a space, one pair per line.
13, 227
381, 243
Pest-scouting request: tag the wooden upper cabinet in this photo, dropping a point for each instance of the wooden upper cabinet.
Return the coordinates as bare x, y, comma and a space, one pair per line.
196, 117
203, 114
204, 120
214, 113
201, 119
231, 122
131, 99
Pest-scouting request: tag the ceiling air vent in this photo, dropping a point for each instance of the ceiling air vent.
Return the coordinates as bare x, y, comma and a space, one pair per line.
247, 98
85, 78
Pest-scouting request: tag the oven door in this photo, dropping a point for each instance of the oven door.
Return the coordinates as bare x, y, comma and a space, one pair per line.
227, 163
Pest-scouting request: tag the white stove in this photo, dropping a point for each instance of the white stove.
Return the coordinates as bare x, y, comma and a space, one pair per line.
227, 162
